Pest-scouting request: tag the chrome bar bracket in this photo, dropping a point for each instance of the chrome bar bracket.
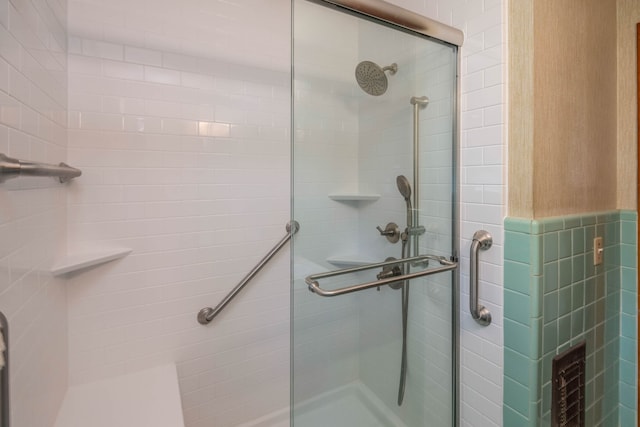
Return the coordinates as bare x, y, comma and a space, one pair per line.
206, 315
314, 286
13, 168
482, 240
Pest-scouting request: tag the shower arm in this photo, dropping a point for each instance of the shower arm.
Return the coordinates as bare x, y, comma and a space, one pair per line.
314, 286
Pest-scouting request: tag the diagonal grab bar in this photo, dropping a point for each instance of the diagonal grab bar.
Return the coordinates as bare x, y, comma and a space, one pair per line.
312, 281
207, 314
13, 168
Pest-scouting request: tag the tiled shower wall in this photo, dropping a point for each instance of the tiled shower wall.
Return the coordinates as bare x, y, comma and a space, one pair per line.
556, 298
33, 98
179, 118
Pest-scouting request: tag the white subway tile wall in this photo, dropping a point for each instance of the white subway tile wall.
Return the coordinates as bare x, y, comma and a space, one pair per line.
33, 103
179, 118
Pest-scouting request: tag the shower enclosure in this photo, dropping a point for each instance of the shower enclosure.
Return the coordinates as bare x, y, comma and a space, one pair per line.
374, 265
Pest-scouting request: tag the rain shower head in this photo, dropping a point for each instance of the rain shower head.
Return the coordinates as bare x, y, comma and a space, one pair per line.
372, 78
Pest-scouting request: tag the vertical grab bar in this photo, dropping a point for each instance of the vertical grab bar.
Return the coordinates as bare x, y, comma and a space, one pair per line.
482, 240
4, 375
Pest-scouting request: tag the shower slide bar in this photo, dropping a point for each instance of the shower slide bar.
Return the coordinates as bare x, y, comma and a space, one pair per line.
314, 286
207, 314
13, 168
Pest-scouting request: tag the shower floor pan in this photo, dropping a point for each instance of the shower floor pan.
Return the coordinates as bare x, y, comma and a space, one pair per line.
347, 406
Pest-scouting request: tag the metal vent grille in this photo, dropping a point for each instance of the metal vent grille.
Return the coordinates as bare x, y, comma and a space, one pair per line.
568, 381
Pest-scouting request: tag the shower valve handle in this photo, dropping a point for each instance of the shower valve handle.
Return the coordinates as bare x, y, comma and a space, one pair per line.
391, 232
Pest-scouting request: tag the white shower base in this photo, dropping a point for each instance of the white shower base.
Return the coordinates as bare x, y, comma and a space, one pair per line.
347, 406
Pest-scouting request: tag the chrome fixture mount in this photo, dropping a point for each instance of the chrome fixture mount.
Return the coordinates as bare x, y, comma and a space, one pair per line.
13, 168
391, 270
482, 240
391, 232
207, 314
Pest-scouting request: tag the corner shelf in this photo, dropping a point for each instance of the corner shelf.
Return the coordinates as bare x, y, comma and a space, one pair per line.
350, 260
79, 260
354, 197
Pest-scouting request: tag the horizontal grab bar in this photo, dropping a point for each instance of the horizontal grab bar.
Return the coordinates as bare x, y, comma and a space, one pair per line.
312, 281
13, 168
207, 314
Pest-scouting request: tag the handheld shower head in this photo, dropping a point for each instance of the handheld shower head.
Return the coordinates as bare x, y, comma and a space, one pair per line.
405, 190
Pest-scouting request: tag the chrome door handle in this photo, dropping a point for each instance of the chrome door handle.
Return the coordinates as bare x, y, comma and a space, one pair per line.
482, 240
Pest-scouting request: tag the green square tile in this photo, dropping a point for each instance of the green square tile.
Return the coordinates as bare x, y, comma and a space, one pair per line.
564, 244
589, 267
628, 279
589, 234
516, 307
578, 243
577, 323
536, 255
552, 224
535, 338
516, 396
628, 232
550, 307
589, 290
626, 215
628, 349
572, 221
516, 276
550, 278
589, 316
513, 418
517, 367
588, 220
516, 337
577, 297
564, 329
628, 326
550, 247
564, 301
550, 337
629, 303
520, 225
627, 256
610, 237
628, 417
577, 269
628, 372
535, 299
565, 272
627, 395
517, 247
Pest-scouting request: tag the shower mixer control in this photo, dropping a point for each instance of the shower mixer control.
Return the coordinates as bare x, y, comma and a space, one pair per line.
391, 232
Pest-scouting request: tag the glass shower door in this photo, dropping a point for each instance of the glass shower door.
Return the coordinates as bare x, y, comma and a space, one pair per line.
374, 114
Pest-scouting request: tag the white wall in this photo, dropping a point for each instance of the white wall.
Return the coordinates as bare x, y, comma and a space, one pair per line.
33, 98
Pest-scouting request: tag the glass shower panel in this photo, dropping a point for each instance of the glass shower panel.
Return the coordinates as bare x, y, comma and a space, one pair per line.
351, 142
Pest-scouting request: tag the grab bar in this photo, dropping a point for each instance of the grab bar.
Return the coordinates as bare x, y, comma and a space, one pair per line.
13, 168
4, 375
312, 281
482, 240
207, 314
